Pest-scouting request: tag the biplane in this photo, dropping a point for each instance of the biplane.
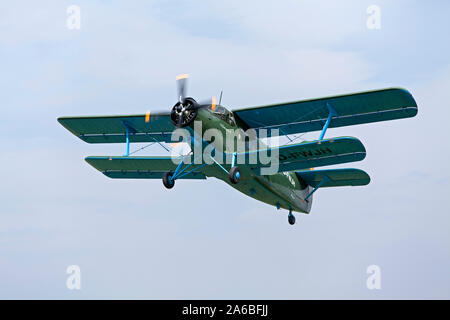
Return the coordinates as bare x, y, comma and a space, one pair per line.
295, 181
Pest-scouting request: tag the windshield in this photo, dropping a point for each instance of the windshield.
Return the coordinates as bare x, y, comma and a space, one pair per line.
222, 113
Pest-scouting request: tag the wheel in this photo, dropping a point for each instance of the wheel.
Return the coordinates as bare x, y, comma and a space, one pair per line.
291, 219
167, 182
235, 175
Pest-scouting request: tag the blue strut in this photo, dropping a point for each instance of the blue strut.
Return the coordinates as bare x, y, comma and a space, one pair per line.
128, 129
325, 179
331, 113
127, 138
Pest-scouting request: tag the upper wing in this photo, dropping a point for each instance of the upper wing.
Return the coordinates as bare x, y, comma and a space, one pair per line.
112, 129
143, 167
334, 177
311, 115
311, 154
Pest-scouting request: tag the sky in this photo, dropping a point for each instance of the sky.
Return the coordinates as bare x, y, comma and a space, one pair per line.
133, 239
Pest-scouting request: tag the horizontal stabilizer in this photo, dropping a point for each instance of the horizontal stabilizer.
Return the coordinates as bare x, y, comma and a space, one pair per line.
334, 177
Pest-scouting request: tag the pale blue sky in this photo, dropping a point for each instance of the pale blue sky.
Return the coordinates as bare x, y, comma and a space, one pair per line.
202, 239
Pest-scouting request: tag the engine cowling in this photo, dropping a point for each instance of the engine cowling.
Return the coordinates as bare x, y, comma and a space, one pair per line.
184, 112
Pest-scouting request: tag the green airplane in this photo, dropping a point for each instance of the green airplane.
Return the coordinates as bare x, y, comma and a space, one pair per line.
290, 185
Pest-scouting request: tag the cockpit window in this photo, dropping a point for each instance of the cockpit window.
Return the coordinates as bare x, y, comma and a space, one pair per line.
218, 109
223, 114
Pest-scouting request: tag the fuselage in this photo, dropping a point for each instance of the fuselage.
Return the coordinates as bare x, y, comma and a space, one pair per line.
282, 190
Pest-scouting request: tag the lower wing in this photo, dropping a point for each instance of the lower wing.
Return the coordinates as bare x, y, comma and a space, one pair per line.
144, 167
310, 154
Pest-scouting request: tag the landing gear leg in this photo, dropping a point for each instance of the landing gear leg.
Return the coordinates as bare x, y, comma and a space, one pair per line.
291, 218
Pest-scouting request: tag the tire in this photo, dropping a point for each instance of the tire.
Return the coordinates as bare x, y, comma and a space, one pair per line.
166, 181
235, 175
291, 219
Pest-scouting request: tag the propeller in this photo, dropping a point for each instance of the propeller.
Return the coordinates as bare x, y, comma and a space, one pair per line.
186, 109
181, 86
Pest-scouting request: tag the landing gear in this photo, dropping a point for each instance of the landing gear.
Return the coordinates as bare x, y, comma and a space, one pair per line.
235, 175
291, 218
167, 181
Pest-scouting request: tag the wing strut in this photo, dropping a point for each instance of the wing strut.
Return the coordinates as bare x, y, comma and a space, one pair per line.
234, 173
332, 113
325, 179
179, 173
128, 129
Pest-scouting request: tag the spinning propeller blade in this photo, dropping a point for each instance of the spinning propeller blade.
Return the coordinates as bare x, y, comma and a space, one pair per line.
186, 109
181, 86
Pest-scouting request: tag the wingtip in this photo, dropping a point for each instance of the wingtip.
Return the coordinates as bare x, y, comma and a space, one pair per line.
366, 176
411, 99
